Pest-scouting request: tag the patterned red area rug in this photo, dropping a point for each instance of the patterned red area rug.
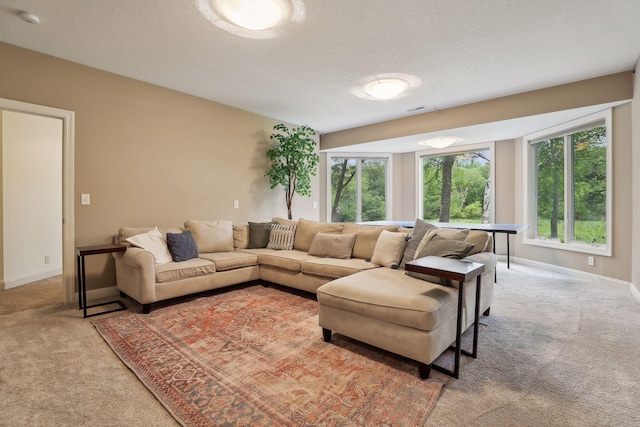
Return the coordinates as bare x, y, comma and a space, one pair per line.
255, 356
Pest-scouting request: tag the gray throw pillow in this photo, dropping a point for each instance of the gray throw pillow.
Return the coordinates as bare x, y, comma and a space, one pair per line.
446, 248
259, 234
419, 230
182, 246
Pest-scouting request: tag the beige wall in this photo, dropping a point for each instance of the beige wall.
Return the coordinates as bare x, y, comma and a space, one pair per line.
149, 155
635, 183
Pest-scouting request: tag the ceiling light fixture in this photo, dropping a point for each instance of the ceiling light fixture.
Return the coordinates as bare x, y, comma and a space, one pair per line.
29, 17
252, 19
441, 141
386, 88
255, 14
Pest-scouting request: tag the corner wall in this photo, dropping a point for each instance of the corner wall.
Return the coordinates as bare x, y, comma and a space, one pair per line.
149, 155
635, 183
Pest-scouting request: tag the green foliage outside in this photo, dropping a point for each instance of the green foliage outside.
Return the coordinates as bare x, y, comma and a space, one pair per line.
373, 182
466, 192
588, 151
293, 161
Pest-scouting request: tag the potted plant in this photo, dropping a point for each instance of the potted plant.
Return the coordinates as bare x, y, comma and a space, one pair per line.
293, 161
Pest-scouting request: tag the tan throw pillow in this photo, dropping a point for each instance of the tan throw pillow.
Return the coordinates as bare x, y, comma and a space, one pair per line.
328, 245
211, 236
420, 229
389, 249
240, 236
445, 233
152, 241
281, 237
306, 230
480, 239
367, 236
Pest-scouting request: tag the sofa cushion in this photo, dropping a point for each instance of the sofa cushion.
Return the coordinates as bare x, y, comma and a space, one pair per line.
389, 249
334, 268
283, 221
480, 239
445, 233
332, 245
152, 241
419, 230
391, 296
447, 248
259, 234
287, 260
367, 236
182, 247
231, 260
211, 236
174, 271
306, 230
281, 237
240, 236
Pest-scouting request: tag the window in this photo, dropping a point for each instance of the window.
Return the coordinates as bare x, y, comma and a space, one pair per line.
455, 185
359, 188
567, 186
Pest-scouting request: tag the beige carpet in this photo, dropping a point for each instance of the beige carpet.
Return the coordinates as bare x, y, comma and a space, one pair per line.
557, 352
42, 293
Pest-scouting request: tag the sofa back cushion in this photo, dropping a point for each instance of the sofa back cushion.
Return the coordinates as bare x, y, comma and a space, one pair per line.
241, 236
367, 236
480, 239
389, 249
211, 236
331, 245
307, 230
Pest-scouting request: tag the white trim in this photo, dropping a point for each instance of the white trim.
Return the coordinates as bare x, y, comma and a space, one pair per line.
577, 274
491, 146
388, 180
530, 193
31, 277
68, 220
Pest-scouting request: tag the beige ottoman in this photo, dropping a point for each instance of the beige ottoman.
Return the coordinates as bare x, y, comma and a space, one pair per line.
392, 311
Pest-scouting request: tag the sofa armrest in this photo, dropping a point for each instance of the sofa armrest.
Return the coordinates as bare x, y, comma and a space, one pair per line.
136, 274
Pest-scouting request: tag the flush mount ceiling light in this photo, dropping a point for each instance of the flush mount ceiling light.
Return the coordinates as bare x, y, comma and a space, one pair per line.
385, 86
254, 19
441, 141
29, 17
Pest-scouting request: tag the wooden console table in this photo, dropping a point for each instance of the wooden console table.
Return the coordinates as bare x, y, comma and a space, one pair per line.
81, 252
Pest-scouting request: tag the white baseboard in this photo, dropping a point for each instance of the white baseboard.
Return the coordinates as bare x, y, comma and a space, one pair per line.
621, 284
32, 277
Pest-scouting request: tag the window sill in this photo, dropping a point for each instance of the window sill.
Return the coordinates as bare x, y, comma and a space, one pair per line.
585, 248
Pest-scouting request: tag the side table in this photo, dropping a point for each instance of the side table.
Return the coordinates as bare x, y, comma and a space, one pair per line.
462, 271
81, 252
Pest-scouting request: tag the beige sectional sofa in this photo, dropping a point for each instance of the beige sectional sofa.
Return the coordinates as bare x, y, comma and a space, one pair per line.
372, 263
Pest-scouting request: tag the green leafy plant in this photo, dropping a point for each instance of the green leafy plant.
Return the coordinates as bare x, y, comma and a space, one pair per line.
293, 161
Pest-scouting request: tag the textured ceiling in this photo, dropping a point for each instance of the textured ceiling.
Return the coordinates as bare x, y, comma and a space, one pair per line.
463, 50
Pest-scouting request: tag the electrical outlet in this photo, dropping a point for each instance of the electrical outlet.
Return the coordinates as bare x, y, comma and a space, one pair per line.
46, 259
85, 199
590, 261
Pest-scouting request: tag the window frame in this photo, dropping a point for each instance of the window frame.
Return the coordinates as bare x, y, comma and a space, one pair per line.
360, 156
530, 214
453, 150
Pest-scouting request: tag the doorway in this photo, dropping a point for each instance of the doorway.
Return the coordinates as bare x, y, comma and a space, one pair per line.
67, 118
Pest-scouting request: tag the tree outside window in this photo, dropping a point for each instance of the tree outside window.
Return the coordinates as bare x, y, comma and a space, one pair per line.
456, 187
358, 189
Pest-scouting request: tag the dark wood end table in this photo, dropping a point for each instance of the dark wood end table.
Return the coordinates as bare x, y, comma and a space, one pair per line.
462, 271
81, 252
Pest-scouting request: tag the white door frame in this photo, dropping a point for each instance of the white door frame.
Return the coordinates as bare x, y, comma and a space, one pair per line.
68, 237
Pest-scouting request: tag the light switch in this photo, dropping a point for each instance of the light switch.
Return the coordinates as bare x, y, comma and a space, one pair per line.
85, 199
236, 204
315, 205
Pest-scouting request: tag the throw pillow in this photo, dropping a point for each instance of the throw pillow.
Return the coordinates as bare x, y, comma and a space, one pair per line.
389, 248
445, 233
240, 236
367, 236
182, 247
211, 236
281, 237
154, 242
438, 246
419, 230
480, 239
306, 230
259, 234
328, 245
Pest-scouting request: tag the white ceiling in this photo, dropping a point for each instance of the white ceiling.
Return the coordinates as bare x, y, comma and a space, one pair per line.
463, 51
